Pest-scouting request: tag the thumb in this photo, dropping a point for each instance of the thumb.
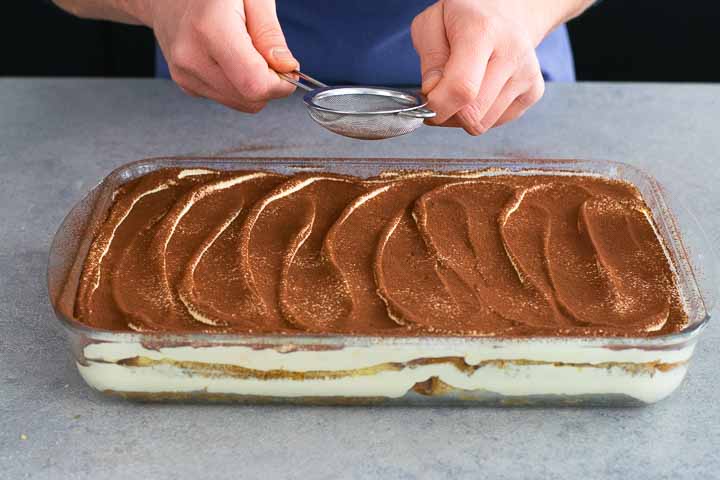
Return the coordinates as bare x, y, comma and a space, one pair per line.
431, 45
267, 36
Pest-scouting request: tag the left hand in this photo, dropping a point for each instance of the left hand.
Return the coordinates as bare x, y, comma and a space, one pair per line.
478, 61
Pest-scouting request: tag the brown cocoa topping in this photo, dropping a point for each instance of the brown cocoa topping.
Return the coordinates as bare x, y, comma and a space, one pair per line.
425, 253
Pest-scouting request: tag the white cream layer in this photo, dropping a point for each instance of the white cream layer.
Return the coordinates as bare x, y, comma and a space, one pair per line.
102, 373
510, 380
350, 358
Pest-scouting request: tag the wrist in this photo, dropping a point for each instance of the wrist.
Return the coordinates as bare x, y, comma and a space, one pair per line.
140, 10
546, 15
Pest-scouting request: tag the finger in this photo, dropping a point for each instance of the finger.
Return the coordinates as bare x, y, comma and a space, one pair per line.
213, 75
230, 45
431, 45
235, 104
508, 110
224, 92
507, 96
521, 104
497, 76
196, 87
187, 81
189, 92
526, 84
452, 122
470, 50
267, 36
513, 112
190, 61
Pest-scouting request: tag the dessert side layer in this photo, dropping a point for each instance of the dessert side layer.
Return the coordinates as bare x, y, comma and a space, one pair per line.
401, 254
492, 380
388, 369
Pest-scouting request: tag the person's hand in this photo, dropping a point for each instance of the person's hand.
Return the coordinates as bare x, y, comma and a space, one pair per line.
225, 50
478, 61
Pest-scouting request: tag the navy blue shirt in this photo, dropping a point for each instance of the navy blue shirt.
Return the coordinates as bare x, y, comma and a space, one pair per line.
368, 42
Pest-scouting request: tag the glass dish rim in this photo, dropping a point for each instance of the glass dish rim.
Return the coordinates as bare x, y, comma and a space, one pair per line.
511, 165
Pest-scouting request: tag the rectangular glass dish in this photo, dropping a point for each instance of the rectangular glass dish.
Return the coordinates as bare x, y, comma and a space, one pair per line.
345, 369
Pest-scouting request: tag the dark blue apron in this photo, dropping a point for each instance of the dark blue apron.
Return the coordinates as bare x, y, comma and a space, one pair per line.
368, 42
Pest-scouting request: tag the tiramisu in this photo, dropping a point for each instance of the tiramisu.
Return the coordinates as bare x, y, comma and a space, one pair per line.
475, 285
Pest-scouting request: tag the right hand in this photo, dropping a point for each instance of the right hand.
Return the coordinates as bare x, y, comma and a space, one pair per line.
225, 50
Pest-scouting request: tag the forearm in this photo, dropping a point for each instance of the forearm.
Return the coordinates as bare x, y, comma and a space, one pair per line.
125, 11
553, 13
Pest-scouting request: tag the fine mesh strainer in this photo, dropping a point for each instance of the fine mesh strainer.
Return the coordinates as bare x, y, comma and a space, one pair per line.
368, 113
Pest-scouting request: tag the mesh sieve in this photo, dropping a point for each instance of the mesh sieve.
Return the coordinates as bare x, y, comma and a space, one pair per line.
338, 99
369, 113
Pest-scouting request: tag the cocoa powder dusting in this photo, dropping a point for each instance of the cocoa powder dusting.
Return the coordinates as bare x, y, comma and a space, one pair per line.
402, 254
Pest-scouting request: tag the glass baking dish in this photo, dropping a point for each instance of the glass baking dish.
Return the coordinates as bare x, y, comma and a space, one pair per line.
413, 370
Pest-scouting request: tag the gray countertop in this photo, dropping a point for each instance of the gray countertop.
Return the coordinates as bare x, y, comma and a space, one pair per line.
59, 137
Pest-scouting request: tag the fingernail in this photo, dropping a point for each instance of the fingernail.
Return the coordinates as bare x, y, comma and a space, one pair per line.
430, 79
431, 105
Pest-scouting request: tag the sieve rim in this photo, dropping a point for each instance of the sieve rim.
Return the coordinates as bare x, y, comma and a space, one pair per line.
309, 99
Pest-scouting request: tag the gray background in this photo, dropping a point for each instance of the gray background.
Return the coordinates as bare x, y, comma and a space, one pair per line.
58, 138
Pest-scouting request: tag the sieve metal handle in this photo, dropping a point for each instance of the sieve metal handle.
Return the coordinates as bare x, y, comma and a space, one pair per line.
421, 112
307, 78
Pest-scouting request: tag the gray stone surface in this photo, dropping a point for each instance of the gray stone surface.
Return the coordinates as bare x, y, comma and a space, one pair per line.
59, 137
